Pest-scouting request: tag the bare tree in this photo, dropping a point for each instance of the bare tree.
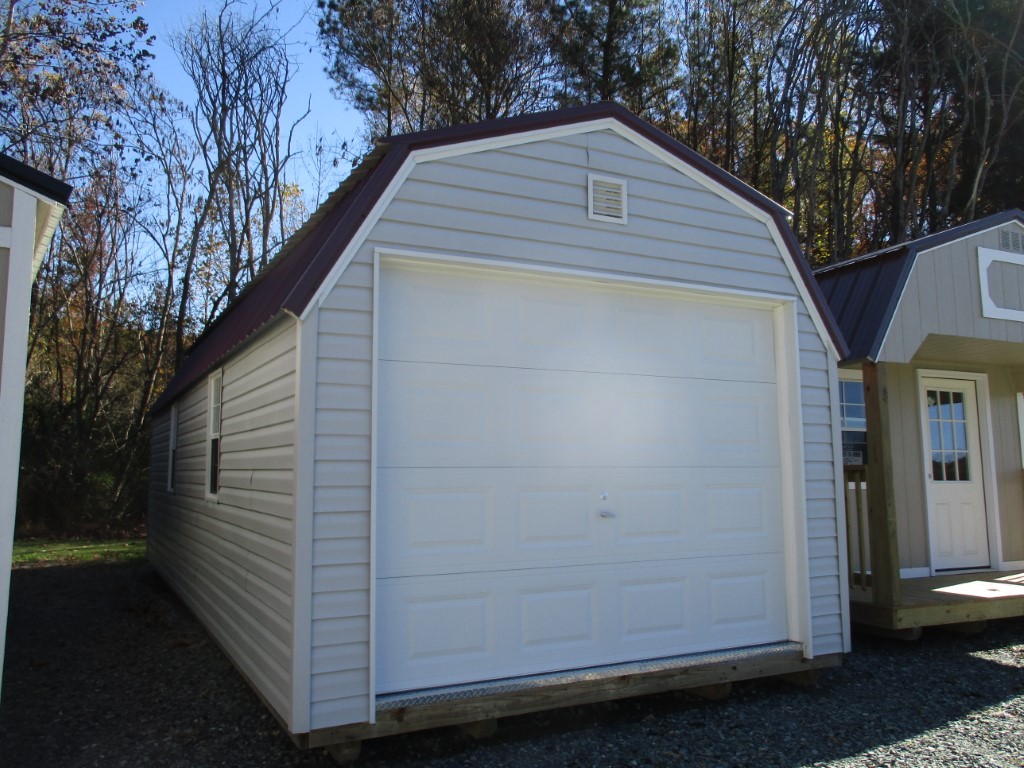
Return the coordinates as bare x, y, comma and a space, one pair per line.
240, 68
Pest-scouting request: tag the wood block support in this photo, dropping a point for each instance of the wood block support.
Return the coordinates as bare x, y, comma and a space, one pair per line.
907, 635
805, 679
716, 692
966, 627
345, 752
481, 729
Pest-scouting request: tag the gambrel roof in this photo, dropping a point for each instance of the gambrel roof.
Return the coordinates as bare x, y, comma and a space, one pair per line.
291, 281
865, 292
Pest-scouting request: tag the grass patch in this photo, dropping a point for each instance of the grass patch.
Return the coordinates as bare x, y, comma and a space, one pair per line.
32, 552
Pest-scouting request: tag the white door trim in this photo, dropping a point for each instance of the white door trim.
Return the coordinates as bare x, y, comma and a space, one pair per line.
790, 418
987, 446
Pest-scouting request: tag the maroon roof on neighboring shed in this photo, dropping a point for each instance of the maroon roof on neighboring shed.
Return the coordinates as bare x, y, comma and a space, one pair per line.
863, 293
292, 279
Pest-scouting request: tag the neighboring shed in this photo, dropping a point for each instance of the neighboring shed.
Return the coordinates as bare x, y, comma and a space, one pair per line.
932, 406
31, 204
533, 412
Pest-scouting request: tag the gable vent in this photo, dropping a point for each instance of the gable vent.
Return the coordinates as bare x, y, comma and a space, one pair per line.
606, 199
1011, 241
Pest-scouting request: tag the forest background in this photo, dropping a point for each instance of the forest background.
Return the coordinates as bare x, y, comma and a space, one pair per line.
873, 121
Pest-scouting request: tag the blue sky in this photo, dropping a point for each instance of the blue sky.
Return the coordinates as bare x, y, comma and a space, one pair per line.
329, 114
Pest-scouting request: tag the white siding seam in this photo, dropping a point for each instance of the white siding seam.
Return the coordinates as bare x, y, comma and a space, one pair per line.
840, 507
302, 573
372, 704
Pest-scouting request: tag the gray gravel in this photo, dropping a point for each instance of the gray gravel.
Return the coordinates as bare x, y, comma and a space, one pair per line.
106, 668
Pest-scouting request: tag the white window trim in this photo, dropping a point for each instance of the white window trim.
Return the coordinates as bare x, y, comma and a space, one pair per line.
172, 447
214, 417
986, 258
848, 374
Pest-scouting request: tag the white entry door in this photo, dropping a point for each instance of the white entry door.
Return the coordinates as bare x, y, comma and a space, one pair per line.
570, 473
954, 476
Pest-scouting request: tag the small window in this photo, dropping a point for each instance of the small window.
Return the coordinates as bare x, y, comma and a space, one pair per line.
172, 447
213, 434
853, 421
606, 199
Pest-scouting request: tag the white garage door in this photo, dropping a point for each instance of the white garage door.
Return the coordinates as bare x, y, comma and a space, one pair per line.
569, 473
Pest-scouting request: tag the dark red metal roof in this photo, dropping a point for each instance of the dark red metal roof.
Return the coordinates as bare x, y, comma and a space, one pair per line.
865, 292
292, 279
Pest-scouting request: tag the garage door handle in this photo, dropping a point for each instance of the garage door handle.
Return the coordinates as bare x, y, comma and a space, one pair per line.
606, 513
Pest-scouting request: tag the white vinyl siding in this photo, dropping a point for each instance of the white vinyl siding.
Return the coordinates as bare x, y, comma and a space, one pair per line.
528, 204
231, 559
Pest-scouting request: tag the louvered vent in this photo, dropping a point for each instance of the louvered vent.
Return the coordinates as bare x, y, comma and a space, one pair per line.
1010, 240
607, 199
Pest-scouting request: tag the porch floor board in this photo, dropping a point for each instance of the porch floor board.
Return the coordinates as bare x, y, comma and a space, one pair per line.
946, 599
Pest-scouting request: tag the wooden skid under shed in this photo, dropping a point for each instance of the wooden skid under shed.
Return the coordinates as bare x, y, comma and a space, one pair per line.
435, 714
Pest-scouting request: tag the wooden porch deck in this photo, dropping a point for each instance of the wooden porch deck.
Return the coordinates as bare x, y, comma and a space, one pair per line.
879, 599
964, 598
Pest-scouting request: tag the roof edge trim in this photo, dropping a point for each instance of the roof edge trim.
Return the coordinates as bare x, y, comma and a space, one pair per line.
34, 180
355, 242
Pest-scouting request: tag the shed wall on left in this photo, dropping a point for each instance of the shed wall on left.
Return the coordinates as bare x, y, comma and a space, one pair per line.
230, 558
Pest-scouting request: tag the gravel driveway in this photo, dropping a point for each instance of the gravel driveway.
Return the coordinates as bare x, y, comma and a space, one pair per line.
106, 668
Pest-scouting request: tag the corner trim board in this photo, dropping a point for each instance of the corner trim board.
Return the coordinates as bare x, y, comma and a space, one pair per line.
302, 547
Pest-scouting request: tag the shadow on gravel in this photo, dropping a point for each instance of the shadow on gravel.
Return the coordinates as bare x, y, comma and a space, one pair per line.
106, 668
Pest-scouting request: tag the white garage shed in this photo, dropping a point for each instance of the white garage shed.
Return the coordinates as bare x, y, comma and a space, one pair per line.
533, 412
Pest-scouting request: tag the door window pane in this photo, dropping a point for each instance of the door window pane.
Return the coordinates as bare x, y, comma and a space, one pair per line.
947, 430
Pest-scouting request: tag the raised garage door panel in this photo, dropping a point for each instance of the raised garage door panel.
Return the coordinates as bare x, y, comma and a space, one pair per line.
449, 415
464, 520
570, 473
